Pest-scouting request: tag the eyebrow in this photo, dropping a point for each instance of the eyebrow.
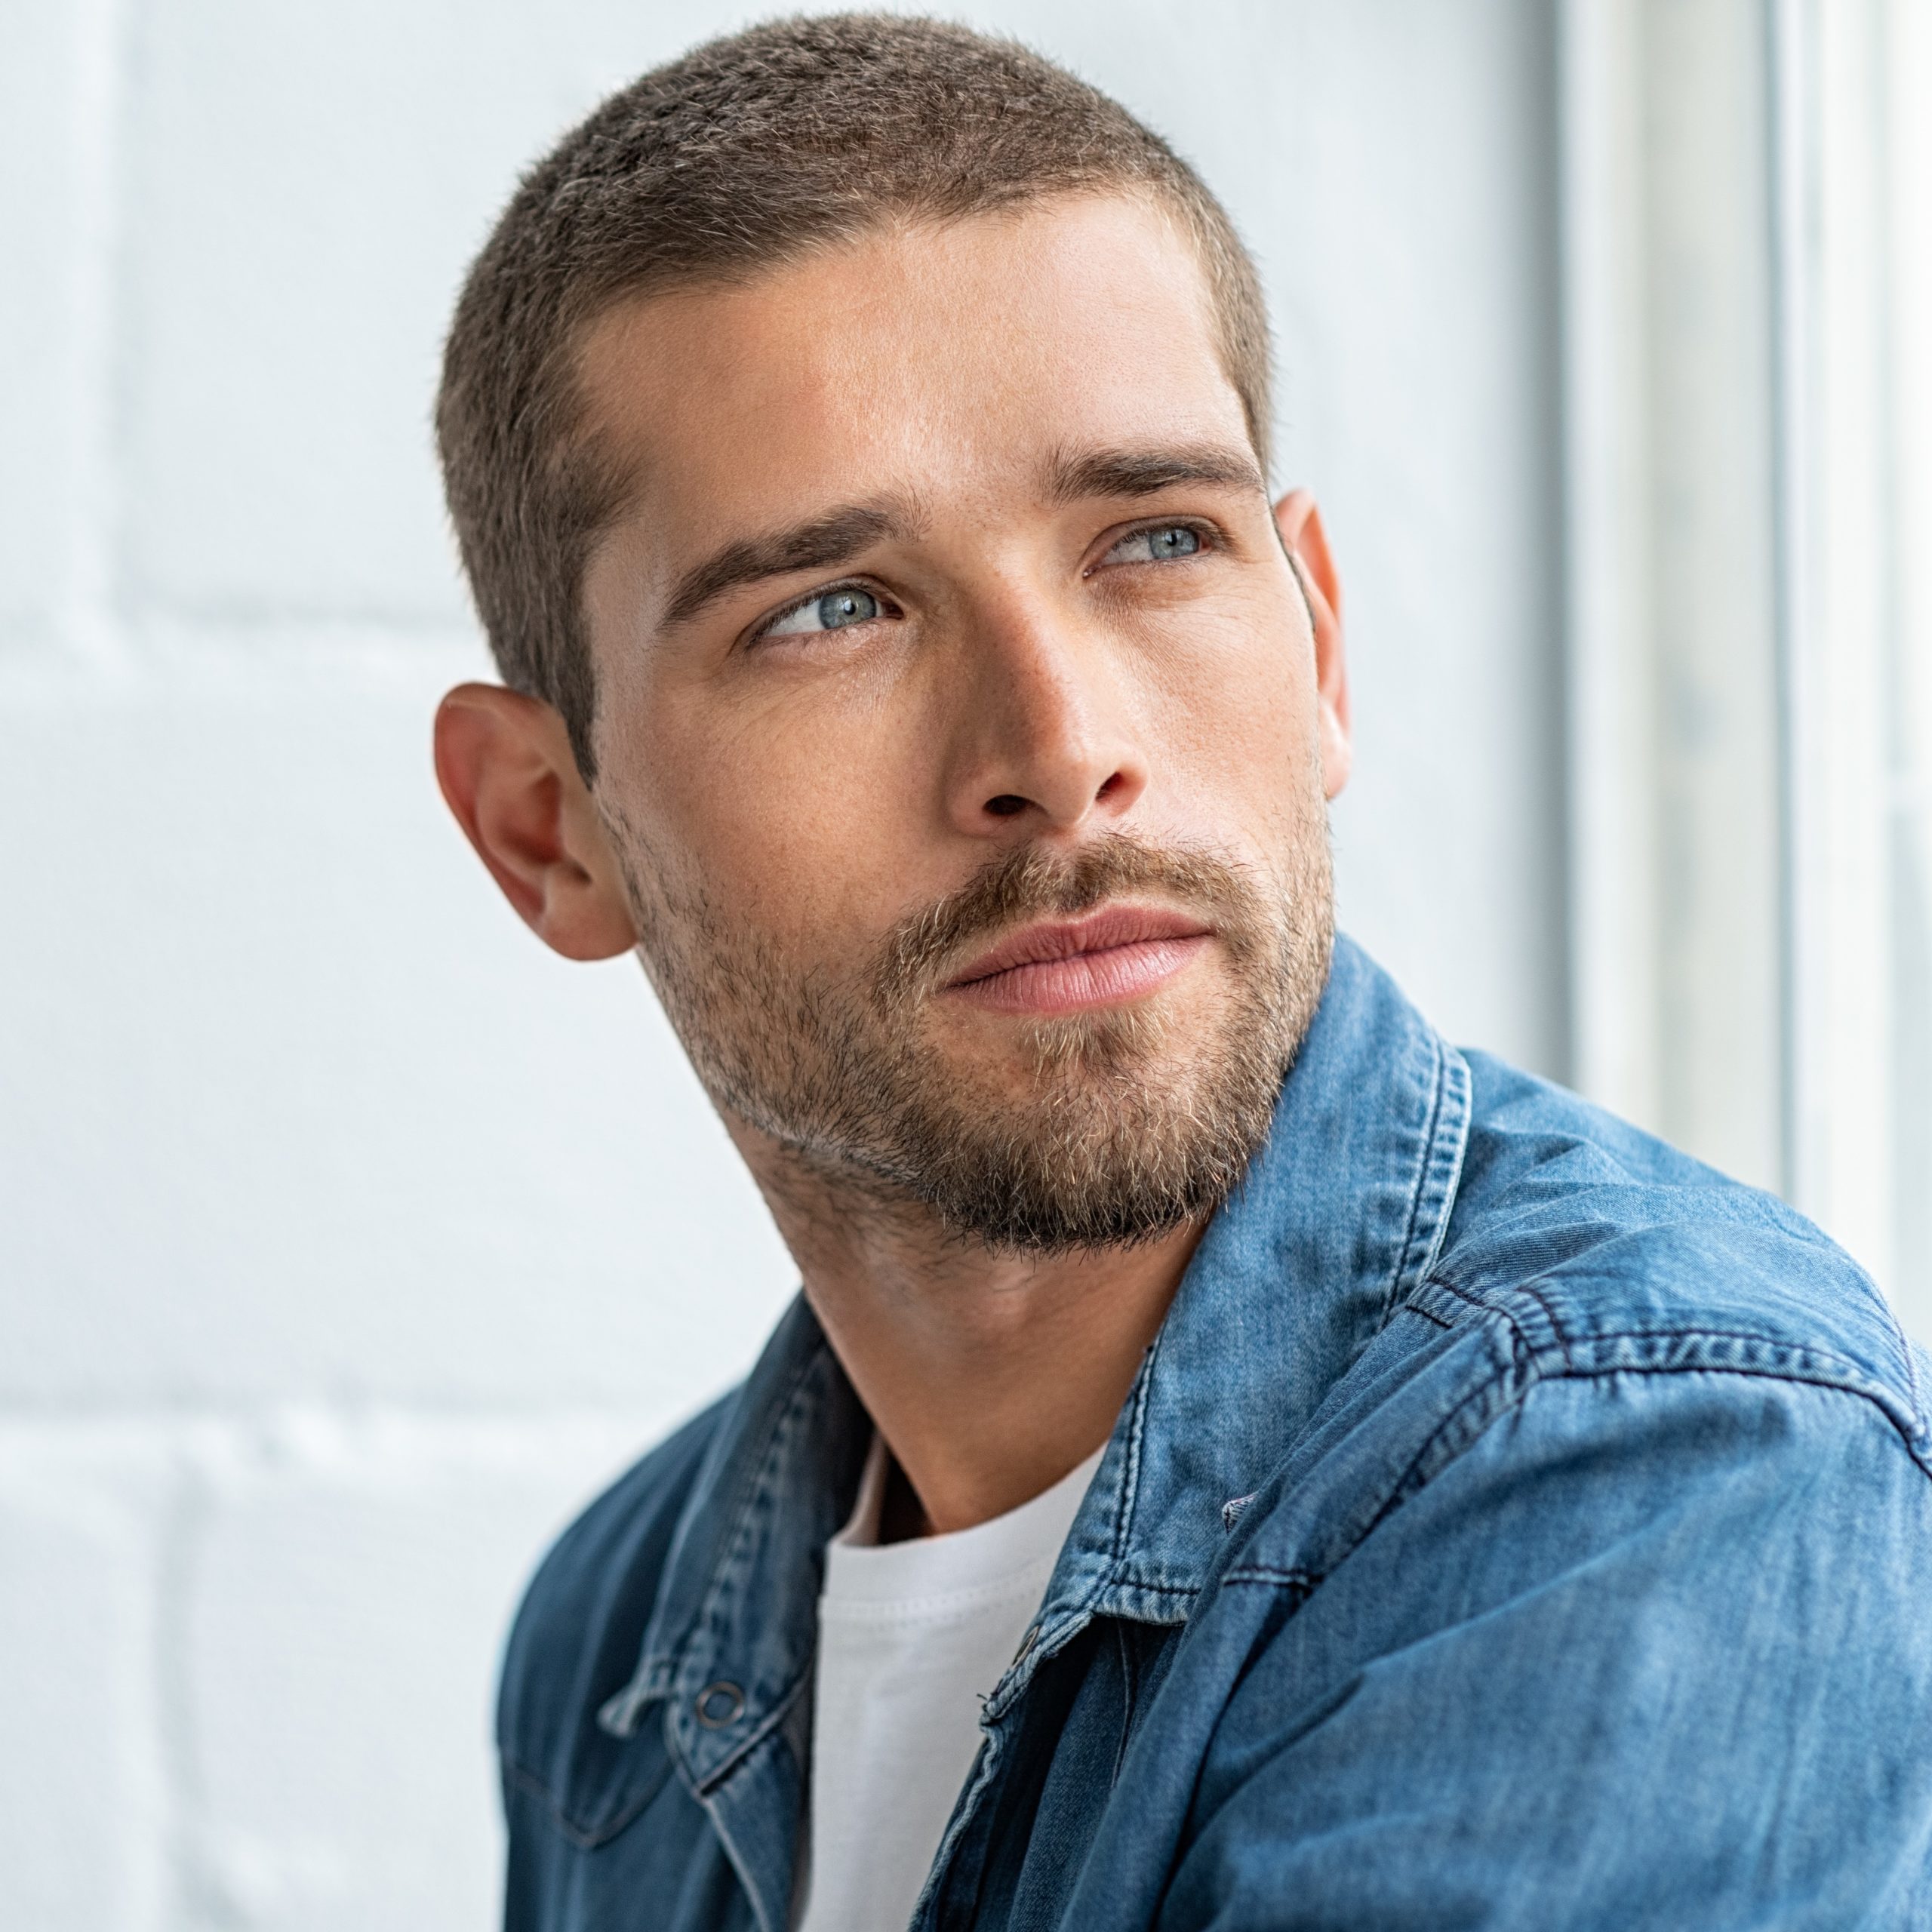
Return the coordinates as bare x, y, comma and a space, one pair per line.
840, 534
1072, 478
827, 540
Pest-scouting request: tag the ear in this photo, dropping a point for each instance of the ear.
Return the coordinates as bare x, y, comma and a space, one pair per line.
1306, 543
504, 762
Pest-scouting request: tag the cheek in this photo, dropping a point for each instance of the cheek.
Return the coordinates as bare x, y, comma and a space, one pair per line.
1235, 702
795, 827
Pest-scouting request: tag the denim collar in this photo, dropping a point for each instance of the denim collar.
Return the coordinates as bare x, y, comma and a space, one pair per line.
1338, 1220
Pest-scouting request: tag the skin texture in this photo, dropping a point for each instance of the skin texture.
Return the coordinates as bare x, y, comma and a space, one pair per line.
992, 399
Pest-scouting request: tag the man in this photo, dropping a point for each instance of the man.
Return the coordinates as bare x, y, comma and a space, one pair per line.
1236, 1460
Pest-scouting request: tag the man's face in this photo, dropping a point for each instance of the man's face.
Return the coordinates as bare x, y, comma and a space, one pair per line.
959, 730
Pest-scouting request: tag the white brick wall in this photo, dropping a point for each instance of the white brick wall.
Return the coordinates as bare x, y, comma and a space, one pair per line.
347, 1238
83, 1810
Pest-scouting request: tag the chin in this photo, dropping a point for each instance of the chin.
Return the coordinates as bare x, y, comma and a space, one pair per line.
1102, 1042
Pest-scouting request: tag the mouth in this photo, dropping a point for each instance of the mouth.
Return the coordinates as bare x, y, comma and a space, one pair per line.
1119, 954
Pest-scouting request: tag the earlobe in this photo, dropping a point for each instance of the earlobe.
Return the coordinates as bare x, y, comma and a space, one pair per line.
1337, 750
1306, 543
503, 762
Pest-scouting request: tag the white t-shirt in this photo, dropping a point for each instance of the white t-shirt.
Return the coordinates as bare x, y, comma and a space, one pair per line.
912, 1637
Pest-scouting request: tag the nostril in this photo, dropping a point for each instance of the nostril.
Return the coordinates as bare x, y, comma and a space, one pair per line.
1108, 789
1006, 804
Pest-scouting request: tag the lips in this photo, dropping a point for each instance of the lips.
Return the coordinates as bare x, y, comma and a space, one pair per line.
1117, 954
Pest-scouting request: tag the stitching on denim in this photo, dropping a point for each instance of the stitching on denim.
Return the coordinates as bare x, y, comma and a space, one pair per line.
1811, 1379
1130, 1487
666, 1662
1911, 1369
979, 1781
1532, 1379
1129, 1496
584, 1841
1449, 1288
589, 1839
1433, 1190
1804, 1374
1421, 1187
1802, 1360
1822, 1366
1455, 1075
1520, 1372
710, 1617
1127, 1580
1265, 1573
672, 1654
1701, 1333
774, 1718
1531, 1289
1523, 1347
1111, 1574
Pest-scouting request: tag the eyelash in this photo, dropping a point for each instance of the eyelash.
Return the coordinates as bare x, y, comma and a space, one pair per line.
1210, 535
1210, 538
766, 626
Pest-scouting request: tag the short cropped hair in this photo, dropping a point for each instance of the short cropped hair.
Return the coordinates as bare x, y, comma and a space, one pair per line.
750, 152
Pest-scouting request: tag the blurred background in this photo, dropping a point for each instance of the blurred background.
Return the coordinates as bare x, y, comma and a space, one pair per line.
347, 1238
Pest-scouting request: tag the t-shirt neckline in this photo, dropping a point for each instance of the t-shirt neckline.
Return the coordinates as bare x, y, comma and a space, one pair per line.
1005, 1549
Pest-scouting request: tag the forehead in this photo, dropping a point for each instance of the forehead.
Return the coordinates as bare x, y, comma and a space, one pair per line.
920, 359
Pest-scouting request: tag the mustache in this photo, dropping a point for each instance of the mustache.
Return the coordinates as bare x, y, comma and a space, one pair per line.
1031, 883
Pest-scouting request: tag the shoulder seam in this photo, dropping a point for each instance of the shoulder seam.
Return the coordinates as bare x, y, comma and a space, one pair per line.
1514, 1384
1644, 1349
1781, 1361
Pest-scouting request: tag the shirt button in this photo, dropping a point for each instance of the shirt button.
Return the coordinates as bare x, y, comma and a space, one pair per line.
719, 1705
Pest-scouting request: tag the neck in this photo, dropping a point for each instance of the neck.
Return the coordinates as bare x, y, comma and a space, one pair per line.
989, 1374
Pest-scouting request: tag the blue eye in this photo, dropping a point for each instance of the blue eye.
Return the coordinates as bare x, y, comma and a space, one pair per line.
835, 611
1157, 546
839, 607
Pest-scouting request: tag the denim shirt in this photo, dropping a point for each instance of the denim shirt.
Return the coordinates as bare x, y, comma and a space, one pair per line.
1514, 1524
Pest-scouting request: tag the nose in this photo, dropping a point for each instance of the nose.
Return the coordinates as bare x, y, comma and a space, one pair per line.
1045, 744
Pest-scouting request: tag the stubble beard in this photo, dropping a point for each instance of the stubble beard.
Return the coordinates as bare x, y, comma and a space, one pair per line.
1118, 1126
